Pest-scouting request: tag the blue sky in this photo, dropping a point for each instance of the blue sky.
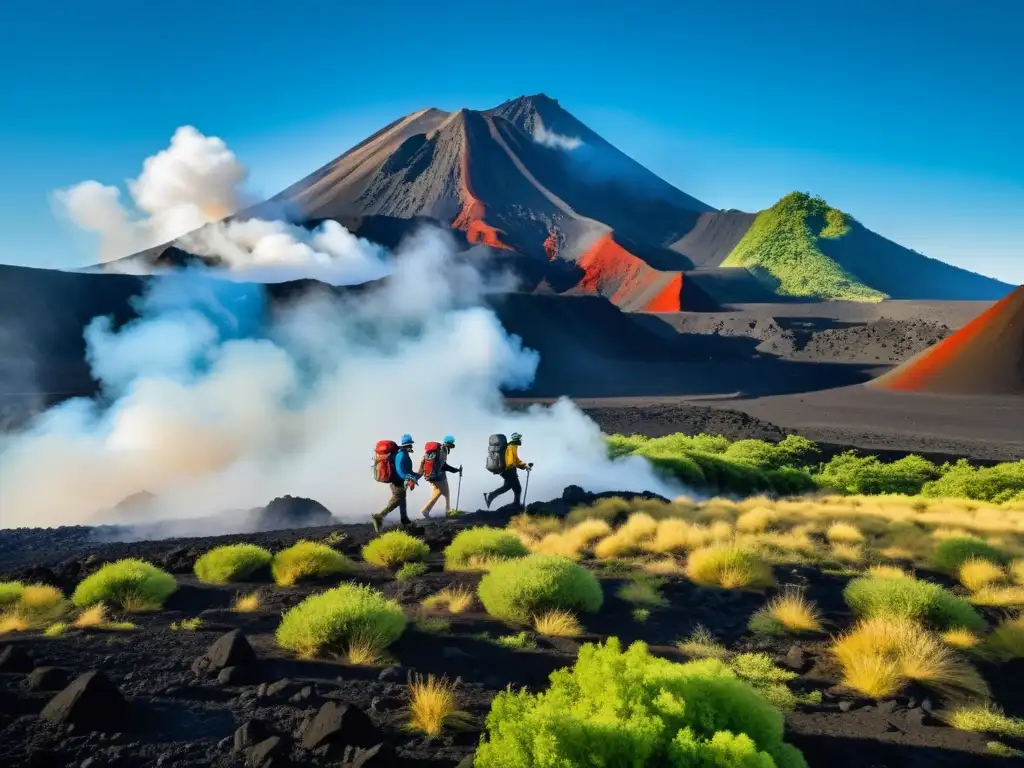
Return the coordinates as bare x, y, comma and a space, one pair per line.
906, 114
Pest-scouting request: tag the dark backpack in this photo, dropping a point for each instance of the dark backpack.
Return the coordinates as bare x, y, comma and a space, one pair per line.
496, 445
384, 461
432, 463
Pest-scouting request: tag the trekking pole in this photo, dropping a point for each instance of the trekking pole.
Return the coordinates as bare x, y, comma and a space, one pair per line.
458, 493
526, 489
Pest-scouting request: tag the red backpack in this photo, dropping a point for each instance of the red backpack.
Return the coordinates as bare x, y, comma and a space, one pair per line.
384, 461
432, 464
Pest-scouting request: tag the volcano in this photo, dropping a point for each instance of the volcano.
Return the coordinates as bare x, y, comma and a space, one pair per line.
573, 214
985, 357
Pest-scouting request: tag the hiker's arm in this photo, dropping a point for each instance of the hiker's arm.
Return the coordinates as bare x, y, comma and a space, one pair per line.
449, 468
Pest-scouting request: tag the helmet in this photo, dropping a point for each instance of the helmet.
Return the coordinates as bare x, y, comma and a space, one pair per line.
449, 439
407, 439
516, 438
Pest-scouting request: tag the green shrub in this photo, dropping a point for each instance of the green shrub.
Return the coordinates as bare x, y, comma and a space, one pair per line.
132, 584
953, 552
629, 708
1003, 482
477, 546
520, 589
10, 593
850, 473
340, 617
791, 452
232, 562
394, 548
307, 560
912, 599
410, 571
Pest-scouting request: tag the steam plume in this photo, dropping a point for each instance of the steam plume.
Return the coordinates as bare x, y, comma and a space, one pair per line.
548, 138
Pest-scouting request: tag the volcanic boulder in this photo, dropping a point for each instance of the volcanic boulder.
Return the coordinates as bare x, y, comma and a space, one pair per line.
14, 658
291, 512
47, 679
337, 726
91, 701
229, 650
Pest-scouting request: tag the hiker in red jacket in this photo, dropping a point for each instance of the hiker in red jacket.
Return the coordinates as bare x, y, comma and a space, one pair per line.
433, 467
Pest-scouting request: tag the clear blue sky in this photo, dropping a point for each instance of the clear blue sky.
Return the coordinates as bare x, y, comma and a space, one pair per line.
907, 114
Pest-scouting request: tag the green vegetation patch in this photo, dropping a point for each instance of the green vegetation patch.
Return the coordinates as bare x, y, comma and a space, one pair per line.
912, 599
782, 250
340, 617
233, 562
482, 545
395, 548
131, 584
617, 707
308, 560
520, 589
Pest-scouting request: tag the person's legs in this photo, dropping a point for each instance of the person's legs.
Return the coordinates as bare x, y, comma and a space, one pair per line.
443, 487
437, 490
511, 478
514, 485
397, 502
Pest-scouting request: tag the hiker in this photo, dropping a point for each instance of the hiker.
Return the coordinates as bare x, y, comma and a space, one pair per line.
504, 460
433, 467
393, 465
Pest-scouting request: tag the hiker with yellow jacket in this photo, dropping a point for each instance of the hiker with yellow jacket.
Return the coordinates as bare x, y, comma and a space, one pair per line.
503, 459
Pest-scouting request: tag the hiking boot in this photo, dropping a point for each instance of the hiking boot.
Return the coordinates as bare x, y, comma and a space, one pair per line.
378, 521
425, 513
487, 501
406, 522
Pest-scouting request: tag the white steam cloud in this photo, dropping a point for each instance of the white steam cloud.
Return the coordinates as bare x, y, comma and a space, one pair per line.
542, 135
214, 399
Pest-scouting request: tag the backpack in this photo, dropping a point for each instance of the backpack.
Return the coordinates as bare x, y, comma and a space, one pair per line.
384, 461
432, 463
496, 445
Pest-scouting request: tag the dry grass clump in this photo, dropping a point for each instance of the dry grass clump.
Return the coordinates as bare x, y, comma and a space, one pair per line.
92, 617
433, 705
557, 623
1016, 571
999, 597
881, 655
976, 574
629, 537
573, 542
844, 533
887, 572
673, 536
701, 644
666, 566
1006, 641
250, 603
455, 600
786, 614
728, 566
847, 554
960, 638
643, 592
756, 520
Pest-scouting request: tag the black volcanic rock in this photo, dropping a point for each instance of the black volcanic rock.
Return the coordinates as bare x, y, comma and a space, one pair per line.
47, 679
339, 726
92, 701
14, 658
291, 512
229, 650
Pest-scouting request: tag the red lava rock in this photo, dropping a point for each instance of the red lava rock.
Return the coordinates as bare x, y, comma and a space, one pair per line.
91, 701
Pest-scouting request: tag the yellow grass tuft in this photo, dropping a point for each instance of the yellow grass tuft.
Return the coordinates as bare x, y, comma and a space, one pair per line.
433, 705
844, 533
365, 649
12, 623
250, 603
667, 566
1016, 570
848, 554
629, 538
985, 719
557, 623
673, 536
1006, 641
452, 599
756, 520
887, 572
728, 566
91, 617
701, 644
999, 597
977, 574
879, 656
960, 638
791, 613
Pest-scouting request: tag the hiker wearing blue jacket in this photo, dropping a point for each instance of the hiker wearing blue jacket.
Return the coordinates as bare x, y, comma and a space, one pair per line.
404, 480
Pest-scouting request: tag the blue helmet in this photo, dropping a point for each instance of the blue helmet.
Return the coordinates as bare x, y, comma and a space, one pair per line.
407, 439
449, 440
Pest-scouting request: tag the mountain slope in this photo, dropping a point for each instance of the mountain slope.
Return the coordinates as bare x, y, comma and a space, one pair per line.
802, 246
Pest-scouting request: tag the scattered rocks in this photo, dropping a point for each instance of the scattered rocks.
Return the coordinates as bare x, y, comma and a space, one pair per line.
47, 679
341, 725
236, 676
282, 689
795, 659
229, 650
390, 675
14, 658
250, 733
378, 756
91, 701
269, 753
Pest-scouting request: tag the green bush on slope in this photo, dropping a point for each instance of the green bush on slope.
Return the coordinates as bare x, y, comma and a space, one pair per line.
781, 248
633, 709
231, 562
522, 588
911, 599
